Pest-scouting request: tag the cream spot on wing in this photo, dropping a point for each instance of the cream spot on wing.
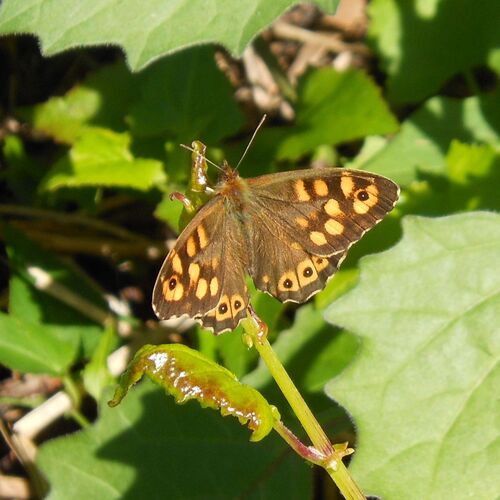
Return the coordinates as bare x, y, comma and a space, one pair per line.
306, 272
191, 247
201, 289
302, 221
301, 191
237, 303
319, 263
334, 227
364, 199
347, 185
177, 264
223, 310
178, 292
360, 207
320, 187
170, 286
332, 207
167, 293
288, 282
202, 236
215, 262
296, 246
194, 272
265, 279
317, 238
214, 286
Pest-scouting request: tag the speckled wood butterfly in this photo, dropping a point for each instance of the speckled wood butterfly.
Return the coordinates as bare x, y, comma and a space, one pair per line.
289, 231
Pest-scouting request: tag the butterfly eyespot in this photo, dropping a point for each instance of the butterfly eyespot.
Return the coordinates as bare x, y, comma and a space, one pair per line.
172, 283
307, 272
288, 283
363, 195
237, 304
223, 308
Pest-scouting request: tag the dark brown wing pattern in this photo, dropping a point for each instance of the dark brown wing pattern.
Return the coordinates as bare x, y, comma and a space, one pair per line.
289, 231
301, 224
203, 276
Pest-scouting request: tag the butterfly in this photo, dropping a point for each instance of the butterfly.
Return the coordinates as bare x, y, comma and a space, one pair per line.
289, 231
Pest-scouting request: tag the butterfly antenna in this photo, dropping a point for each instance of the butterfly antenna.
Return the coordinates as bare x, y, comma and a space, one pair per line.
203, 156
262, 120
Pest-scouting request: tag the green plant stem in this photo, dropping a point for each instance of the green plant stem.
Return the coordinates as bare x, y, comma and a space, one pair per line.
74, 393
344, 481
80, 419
307, 419
332, 461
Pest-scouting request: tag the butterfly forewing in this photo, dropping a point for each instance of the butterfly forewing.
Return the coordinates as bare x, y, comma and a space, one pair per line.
311, 217
203, 276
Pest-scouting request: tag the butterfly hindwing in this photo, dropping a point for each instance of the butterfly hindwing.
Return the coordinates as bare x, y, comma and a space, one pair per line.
203, 276
312, 218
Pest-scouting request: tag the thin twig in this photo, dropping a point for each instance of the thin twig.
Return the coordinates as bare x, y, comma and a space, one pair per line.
71, 219
103, 247
331, 42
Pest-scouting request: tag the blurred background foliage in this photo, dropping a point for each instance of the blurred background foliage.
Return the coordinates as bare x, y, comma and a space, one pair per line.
89, 155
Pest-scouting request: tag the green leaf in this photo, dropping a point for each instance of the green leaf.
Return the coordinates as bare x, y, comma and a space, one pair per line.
425, 137
333, 107
149, 447
470, 182
34, 348
144, 36
173, 99
424, 389
185, 374
466, 162
424, 43
98, 101
102, 158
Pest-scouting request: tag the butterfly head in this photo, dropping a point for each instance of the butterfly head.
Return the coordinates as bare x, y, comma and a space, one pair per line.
228, 173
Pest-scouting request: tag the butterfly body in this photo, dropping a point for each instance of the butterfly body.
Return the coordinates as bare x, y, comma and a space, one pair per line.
289, 231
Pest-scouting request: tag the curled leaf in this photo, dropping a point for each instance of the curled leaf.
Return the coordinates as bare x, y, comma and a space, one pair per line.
186, 374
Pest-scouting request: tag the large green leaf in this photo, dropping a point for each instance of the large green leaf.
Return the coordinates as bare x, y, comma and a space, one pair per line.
335, 107
101, 157
149, 447
144, 32
174, 99
425, 136
424, 389
425, 42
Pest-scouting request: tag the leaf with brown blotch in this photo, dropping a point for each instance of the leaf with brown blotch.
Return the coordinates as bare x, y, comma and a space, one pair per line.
186, 374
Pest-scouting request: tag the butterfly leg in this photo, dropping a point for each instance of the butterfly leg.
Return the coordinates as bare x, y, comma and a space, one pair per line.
188, 205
